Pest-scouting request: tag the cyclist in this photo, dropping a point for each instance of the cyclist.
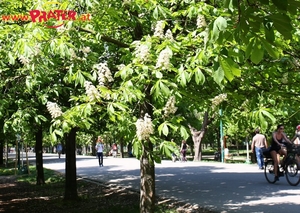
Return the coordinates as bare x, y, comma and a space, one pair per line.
277, 147
297, 136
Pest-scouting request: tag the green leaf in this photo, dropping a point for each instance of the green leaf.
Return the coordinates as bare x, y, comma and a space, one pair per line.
160, 127
257, 53
165, 130
226, 68
269, 115
272, 51
11, 58
164, 88
137, 148
220, 24
158, 74
229, 5
183, 133
262, 120
281, 4
218, 75
65, 126
167, 148
199, 76
269, 32
265, 2
282, 23
249, 48
155, 13
229, 68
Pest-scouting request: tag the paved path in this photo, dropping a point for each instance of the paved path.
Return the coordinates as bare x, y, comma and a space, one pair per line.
223, 187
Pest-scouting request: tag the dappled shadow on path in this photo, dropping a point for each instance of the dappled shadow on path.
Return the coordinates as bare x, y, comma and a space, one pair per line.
234, 188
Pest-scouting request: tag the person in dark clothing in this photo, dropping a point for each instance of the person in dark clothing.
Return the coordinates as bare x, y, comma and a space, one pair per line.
183, 150
277, 147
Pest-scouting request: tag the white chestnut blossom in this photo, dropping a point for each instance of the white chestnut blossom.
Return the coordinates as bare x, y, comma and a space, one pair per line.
142, 52
73, 54
24, 60
197, 114
218, 100
121, 66
54, 109
86, 50
91, 91
285, 78
144, 127
36, 50
201, 21
159, 29
61, 29
104, 74
170, 106
163, 60
169, 35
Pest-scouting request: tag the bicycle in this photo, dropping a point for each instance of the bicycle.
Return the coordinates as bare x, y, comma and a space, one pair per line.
290, 169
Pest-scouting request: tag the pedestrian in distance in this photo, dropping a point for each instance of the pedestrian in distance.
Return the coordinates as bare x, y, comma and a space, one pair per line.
99, 149
183, 149
59, 149
258, 146
114, 150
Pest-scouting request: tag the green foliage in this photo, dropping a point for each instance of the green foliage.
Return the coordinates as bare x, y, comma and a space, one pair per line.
245, 49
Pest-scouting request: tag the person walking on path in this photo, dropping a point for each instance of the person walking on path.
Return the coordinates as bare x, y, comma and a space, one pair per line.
99, 148
114, 150
259, 143
183, 150
59, 149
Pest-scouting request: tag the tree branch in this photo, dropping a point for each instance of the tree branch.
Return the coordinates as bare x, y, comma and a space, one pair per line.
105, 38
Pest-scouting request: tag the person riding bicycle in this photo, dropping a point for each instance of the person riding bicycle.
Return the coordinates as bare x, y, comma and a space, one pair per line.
277, 147
297, 136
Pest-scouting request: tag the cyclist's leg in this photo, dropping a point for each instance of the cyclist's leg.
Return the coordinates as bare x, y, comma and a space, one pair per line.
298, 161
283, 153
275, 158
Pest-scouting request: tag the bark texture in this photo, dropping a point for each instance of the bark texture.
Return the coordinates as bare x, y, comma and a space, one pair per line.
147, 192
197, 136
40, 180
71, 178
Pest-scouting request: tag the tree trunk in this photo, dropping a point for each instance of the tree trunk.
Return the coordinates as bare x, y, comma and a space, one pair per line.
121, 148
147, 193
70, 178
93, 146
1, 150
198, 149
2, 144
198, 136
39, 157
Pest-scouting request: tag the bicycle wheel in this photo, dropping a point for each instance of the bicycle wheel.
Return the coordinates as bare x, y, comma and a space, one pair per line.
292, 173
269, 171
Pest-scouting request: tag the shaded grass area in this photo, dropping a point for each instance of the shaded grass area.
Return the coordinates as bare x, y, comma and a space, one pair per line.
19, 193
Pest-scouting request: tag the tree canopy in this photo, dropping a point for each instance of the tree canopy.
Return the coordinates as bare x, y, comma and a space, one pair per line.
144, 70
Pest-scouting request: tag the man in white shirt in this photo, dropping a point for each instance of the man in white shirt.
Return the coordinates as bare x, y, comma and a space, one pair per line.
259, 143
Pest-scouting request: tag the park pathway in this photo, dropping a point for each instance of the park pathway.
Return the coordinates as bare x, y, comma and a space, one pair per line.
223, 187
